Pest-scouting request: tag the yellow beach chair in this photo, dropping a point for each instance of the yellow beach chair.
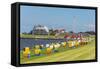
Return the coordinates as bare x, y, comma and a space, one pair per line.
70, 44
37, 52
64, 44
76, 43
48, 51
26, 52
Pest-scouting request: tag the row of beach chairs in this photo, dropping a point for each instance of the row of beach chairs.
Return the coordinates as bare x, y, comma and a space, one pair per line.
53, 47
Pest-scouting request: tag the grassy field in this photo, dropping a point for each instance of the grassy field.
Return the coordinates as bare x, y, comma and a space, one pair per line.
86, 52
40, 36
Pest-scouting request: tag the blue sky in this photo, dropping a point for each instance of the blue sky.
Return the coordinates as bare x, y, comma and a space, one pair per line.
70, 19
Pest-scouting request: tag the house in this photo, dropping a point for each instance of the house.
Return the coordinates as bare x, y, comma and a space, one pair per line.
40, 30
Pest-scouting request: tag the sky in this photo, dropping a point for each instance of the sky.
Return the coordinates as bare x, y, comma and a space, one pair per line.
70, 19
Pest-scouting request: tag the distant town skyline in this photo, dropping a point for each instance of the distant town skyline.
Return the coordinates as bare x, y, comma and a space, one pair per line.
70, 19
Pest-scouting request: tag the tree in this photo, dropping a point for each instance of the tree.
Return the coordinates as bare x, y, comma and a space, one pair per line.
71, 32
30, 32
52, 32
24, 33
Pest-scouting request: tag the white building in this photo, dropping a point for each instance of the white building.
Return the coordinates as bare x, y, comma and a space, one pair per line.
40, 30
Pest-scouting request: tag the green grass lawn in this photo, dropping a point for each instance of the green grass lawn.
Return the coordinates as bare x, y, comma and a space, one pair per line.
86, 52
39, 36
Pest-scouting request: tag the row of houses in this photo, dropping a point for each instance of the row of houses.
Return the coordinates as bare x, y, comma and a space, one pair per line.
43, 30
